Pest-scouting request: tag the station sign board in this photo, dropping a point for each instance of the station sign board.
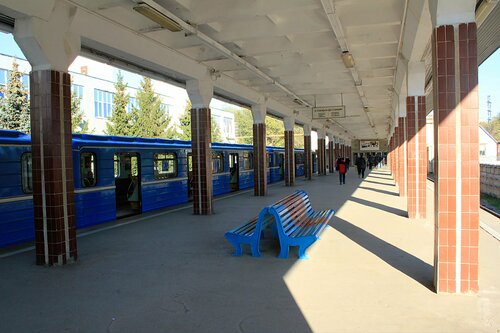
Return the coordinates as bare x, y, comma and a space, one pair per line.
328, 112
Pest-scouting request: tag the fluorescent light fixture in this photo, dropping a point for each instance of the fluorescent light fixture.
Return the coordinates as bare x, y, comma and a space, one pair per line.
158, 17
348, 59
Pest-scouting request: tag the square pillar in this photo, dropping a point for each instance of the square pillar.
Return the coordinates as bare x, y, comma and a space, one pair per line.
259, 159
331, 160
401, 156
416, 157
456, 145
201, 138
321, 157
53, 188
308, 166
289, 159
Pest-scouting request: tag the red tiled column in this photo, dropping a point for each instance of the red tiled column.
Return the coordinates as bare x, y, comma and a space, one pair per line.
456, 155
342, 150
321, 157
401, 157
54, 212
201, 138
331, 160
337, 150
289, 159
307, 157
416, 157
259, 159
396, 154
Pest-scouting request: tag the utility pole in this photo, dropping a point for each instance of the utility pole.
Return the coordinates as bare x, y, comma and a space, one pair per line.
489, 108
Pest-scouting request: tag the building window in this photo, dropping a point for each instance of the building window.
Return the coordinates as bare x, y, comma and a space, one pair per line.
26, 173
26, 82
165, 107
88, 169
77, 90
165, 165
132, 103
103, 103
228, 125
247, 161
4, 77
217, 162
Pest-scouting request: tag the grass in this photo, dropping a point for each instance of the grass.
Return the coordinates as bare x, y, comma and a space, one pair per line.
490, 202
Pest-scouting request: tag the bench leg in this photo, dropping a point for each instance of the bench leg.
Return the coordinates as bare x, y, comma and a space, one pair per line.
238, 250
284, 251
255, 249
302, 252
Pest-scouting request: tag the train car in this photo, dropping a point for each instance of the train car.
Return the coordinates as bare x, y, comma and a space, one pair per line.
16, 191
116, 177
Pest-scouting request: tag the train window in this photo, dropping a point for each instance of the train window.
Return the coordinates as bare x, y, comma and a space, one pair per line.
247, 161
299, 158
116, 165
26, 173
165, 165
88, 169
217, 162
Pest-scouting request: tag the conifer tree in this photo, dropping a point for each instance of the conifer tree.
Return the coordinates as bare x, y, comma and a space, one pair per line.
185, 126
14, 106
78, 123
120, 121
149, 117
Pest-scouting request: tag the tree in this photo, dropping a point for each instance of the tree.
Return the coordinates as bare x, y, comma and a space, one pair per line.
493, 127
185, 126
149, 118
78, 123
120, 121
14, 106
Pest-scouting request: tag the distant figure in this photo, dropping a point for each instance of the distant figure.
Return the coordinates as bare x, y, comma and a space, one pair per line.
347, 163
361, 165
89, 179
342, 169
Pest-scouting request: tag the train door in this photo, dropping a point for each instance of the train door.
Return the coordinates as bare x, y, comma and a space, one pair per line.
281, 164
190, 176
127, 184
234, 171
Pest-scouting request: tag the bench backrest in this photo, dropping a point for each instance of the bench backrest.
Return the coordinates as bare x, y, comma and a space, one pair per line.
290, 209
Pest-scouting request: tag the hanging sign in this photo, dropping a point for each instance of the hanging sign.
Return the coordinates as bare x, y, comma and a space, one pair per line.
327, 112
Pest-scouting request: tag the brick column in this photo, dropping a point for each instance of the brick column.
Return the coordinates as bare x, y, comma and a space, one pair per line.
308, 167
456, 155
416, 157
321, 157
289, 159
331, 160
401, 156
337, 150
54, 212
201, 138
259, 159
342, 150
396, 153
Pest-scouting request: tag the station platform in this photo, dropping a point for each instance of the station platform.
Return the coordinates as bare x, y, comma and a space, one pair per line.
173, 271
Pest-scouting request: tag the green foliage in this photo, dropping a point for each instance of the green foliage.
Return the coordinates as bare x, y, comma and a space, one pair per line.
493, 127
275, 130
120, 121
14, 106
149, 117
185, 126
78, 123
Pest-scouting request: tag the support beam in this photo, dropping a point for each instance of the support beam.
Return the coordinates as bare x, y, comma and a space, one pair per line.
289, 153
259, 149
308, 163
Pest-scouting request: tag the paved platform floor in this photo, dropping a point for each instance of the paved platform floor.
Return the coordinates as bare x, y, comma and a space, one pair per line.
174, 272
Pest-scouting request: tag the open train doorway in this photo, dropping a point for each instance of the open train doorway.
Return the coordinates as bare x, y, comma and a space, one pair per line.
234, 171
281, 165
127, 171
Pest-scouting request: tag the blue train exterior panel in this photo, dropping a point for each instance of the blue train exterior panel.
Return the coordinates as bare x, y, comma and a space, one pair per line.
95, 207
246, 179
16, 224
220, 183
164, 194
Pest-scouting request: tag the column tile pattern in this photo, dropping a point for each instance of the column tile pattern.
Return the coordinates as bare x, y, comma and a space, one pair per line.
259, 159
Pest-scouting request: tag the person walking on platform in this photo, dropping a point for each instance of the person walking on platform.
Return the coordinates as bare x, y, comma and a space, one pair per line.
361, 165
342, 169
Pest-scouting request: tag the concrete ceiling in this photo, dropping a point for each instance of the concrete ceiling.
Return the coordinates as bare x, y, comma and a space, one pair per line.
280, 51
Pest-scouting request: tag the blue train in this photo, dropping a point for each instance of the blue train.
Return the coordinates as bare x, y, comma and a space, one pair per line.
123, 176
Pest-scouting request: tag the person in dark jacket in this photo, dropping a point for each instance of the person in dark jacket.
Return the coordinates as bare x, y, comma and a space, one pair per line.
342, 169
361, 165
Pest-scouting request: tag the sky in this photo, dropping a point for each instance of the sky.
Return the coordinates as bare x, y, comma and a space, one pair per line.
489, 76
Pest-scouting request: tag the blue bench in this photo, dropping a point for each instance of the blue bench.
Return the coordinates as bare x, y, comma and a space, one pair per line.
296, 225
